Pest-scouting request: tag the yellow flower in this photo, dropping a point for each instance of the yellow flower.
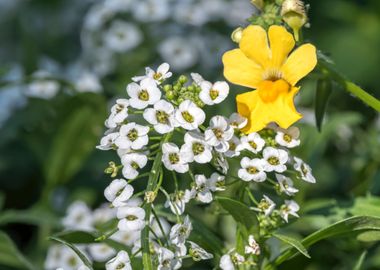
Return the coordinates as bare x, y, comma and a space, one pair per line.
270, 71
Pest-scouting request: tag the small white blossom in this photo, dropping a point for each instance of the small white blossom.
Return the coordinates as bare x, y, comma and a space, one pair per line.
233, 149
42, 86
304, 170
213, 93
161, 116
222, 163
228, 261
203, 188
174, 159
159, 76
197, 78
78, 217
131, 163
237, 121
151, 10
288, 137
286, 185
189, 116
252, 247
252, 170
198, 253
167, 260
133, 136
118, 192
266, 205
122, 36
108, 141
120, 262
275, 159
160, 228
177, 201
180, 232
197, 147
217, 182
103, 214
119, 112
69, 259
253, 142
101, 252
88, 82
219, 133
289, 208
131, 218
144, 94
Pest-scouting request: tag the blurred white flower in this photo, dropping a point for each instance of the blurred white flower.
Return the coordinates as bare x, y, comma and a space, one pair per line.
217, 182
252, 170
126, 237
103, 214
219, 133
101, 252
275, 159
131, 163
161, 116
143, 94
289, 208
174, 159
122, 36
180, 232
118, 5
197, 148
286, 185
198, 253
70, 260
266, 205
97, 16
228, 261
237, 12
42, 86
108, 141
304, 170
233, 147
78, 217
119, 112
167, 260
213, 93
252, 247
131, 218
132, 136
253, 142
237, 121
189, 116
88, 82
151, 10
177, 202
161, 74
288, 137
160, 231
189, 12
120, 262
118, 192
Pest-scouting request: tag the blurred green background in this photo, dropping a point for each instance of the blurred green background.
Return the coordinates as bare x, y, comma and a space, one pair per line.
47, 146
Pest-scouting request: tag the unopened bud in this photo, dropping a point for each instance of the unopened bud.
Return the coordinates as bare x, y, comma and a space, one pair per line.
237, 34
182, 79
150, 196
112, 169
167, 87
258, 3
294, 14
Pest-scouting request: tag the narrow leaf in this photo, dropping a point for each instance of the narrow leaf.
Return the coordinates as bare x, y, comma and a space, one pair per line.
322, 95
293, 242
359, 263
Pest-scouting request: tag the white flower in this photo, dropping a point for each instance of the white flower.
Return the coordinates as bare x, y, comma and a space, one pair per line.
197, 147
78, 217
174, 159
253, 142
203, 188
127, 238
179, 52
304, 170
119, 112
197, 78
167, 260
161, 116
289, 208
122, 36
118, 192
131, 162
213, 93
53, 257
88, 82
177, 202
180, 232
252, 170
103, 214
286, 185
219, 133
189, 116
217, 182
101, 252
133, 136
222, 163
233, 149
69, 259
159, 76
198, 253
131, 218
143, 94
288, 137
161, 228
120, 262
42, 86
266, 205
108, 141
118, 5
151, 10
228, 261
252, 247
237, 121
275, 159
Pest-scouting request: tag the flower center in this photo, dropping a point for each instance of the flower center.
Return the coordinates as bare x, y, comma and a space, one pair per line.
72, 261
304, 170
273, 161
134, 165
119, 108
157, 76
131, 218
269, 90
162, 117
198, 148
188, 117
232, 146
132, 135
218, 133
214, 94
173, 158
252, 144
287, 138
252, 170
144, 95
120, 266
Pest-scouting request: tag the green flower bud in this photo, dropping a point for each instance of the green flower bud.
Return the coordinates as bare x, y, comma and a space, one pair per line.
182, 79
294, 14
167, 87
237, 34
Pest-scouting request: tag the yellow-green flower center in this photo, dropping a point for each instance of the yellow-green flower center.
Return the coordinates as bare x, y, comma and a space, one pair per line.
131, 218
198, 148
273, 161
187, 116
218, 133
120, 266
252, 144
214, 94
157, 76
252, 170
132, 134
287, 138
162, 117
173, 158
144, 95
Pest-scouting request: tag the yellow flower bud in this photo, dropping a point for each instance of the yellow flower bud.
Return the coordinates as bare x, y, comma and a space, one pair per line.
237, 34
258, 3
294, 14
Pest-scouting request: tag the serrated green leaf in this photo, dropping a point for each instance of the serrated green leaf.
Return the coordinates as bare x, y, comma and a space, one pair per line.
293, 242
322, 95
81, 256
11, 256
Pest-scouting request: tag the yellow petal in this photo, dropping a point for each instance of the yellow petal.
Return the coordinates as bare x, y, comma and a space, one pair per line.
246, 102
254, 44
240, 70
281, 111
300, 63
281, 44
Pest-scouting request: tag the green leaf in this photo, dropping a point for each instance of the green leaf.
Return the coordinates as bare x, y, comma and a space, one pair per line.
241, 213
293, 242
31, 216
350, 226
359, 263
371, 236
11, 256
322, 95
81, 256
